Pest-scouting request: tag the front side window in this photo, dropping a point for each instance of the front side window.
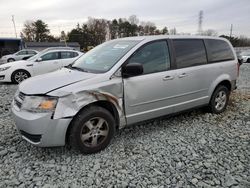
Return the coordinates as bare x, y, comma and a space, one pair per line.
154, 57
103, 57
22, 52
219, 50
189, 52
50, 56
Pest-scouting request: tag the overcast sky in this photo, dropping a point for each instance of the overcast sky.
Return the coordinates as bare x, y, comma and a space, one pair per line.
181, 14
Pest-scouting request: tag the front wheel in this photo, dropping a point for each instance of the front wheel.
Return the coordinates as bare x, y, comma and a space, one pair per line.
219, 99
92, 130
19, 75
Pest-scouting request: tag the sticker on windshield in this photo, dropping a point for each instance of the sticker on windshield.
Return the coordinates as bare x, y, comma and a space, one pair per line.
121, 46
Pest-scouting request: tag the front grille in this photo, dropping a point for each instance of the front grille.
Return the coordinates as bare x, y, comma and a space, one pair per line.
21, 96
32, 137
18, 100
17, 103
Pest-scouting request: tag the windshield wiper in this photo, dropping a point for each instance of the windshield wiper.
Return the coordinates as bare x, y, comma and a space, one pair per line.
75, 68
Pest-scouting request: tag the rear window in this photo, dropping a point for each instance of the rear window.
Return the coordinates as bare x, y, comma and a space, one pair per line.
189, 52
219, 50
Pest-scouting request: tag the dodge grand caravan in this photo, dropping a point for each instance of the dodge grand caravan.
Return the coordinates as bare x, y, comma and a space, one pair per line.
122, 82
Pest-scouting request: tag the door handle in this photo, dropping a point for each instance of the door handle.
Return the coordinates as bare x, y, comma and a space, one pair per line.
168, 78
182, 75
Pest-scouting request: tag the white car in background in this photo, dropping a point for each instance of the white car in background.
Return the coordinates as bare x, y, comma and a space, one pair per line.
245, 56
20, 55
48, 60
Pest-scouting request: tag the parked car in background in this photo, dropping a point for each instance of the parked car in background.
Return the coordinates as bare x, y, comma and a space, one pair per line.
20, 55
122, 82
45, 61
246, 56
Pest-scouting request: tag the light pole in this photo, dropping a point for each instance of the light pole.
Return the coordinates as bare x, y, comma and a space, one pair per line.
13, 20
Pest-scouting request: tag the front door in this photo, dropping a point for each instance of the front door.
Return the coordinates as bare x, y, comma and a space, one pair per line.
49, 62
151, 94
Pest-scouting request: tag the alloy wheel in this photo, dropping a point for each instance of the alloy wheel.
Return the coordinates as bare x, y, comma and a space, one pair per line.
220, 100
94, 132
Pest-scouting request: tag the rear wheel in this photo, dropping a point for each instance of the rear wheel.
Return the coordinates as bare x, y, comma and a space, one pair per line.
19, 75
92, 130
248, 60
219, 99
10, 60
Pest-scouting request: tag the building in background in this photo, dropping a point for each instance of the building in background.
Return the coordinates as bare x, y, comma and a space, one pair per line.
43, 45
10, 45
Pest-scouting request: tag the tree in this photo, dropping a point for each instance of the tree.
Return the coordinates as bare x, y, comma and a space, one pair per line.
114, 29
41, 31
164, 31
28, 33
237, 41
98, 29
133, 20
209, 32
37, 31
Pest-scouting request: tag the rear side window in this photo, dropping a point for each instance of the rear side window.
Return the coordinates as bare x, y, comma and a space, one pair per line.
189, 52
154, 57
31, 52
66, 55
219, 50
75, 54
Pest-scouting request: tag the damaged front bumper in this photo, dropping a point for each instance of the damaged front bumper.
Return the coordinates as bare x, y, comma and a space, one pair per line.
40, 129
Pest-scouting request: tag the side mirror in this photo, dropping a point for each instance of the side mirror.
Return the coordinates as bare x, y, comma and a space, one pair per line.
39, 59
132, 69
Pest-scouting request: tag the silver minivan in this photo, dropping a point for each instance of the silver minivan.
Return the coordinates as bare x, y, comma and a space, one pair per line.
122, 82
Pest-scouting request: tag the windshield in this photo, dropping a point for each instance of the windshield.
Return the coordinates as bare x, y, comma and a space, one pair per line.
105, 56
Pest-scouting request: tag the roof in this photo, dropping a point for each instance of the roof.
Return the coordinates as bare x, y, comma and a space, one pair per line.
154, 37
51, 44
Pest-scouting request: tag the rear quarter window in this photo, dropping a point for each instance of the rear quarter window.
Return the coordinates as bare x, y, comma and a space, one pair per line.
218, 50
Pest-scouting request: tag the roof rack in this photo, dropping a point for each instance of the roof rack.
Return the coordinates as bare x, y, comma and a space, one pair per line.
58, 48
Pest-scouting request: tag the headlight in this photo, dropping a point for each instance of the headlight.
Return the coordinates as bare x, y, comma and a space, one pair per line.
39, 104
4, 68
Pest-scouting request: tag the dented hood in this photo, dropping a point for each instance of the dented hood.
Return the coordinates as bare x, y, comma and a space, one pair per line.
45, 83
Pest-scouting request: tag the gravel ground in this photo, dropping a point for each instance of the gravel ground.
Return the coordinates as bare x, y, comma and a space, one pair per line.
194, 149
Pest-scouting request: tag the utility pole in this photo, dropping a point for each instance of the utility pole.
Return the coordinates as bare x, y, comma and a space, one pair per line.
13, 20
200, 22
231, 31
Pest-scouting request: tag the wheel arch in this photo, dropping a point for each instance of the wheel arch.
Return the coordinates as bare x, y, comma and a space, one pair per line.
11, 58
109, 106
224, 80
21, 69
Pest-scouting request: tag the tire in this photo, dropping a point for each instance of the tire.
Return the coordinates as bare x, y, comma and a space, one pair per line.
219, 100
19, 75
248, 60
10, 60
86, 135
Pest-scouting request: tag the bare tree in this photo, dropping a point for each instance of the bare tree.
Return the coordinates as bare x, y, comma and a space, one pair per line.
209, 32
28, 31
133, 20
